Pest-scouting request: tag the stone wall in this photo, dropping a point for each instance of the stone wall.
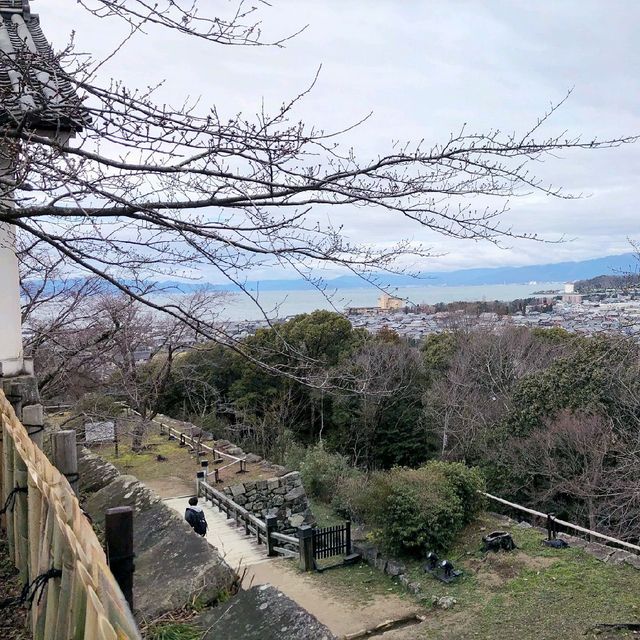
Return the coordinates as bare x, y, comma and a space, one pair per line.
283, 497
173, 564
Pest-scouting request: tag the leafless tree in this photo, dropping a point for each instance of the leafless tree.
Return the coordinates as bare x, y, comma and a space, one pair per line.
581, 457
476, 389
144, 348
148, 189
64, 333
378, 373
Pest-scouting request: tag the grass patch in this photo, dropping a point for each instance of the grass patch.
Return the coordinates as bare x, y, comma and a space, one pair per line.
145, 465
178, 463
358, 583
174, 631
534, 592
325, 515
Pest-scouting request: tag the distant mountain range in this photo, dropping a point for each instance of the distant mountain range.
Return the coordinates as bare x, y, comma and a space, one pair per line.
556, 272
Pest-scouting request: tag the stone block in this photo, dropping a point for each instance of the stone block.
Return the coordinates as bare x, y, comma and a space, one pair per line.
599, 551
261, 613
237, 489
633, 561
33, 415
414, 587
273, 483
252, 458
573, 541
95, 472
380, 563
395, 568
262, 485
295, 494
367, 550
24, 386
296, 520
618, 557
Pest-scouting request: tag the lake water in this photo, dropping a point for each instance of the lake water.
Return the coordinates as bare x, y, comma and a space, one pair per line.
287, 303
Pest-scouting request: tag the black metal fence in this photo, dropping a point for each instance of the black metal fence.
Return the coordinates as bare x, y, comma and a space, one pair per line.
332, 541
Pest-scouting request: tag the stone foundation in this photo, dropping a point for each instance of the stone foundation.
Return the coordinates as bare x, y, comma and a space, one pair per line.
22, 392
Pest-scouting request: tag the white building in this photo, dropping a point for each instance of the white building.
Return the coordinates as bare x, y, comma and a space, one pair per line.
37, 100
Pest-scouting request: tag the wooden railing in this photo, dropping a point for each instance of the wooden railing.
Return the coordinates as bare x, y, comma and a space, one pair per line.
196, 445
54, 547
264, 531
568, 525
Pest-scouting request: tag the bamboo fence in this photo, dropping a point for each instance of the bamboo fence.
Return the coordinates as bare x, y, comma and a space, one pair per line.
47, 530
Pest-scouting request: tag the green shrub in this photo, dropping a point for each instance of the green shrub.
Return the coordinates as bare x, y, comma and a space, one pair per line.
175, 631
466, 482
294, 453
416, 510
323, 472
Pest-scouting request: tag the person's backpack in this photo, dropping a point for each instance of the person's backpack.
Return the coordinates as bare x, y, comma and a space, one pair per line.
199, 523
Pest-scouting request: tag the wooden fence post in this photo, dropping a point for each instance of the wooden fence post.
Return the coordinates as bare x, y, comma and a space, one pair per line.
65, 456
20, 517
272, 525
348, 538
200, 475
305, 535
33, 421
119, 540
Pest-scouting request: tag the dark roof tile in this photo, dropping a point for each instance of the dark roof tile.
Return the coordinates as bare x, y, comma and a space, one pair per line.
34, 90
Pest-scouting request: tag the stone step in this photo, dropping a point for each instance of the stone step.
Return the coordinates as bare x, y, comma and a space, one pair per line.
237, 549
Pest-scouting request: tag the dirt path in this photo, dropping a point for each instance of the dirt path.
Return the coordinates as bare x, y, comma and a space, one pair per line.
341, 613
171, 487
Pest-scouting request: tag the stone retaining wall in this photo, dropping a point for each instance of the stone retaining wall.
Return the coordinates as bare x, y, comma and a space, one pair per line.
283, 497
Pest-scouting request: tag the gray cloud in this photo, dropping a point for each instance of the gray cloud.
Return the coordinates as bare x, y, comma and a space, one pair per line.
424, 68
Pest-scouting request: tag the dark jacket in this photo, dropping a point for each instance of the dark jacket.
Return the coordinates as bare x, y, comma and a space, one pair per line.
195, 517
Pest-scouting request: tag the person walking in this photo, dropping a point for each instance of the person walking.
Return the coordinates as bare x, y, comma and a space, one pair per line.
194, 515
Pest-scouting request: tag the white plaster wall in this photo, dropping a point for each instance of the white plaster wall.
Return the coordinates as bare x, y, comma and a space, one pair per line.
10, 322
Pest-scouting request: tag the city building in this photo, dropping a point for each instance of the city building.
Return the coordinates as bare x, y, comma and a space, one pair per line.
390, 303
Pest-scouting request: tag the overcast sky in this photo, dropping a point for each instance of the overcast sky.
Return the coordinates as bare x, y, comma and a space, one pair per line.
423, 68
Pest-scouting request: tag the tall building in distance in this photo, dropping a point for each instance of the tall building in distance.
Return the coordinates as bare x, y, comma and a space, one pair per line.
390, 303
570, 296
